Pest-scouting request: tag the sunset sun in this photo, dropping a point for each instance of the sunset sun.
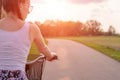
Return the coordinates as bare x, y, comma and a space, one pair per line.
50, 9
55, 9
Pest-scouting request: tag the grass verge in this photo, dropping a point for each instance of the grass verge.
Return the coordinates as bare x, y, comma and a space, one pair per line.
109, 46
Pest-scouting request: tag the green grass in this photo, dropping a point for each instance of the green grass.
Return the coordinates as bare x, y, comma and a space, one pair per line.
108, 45
34, 53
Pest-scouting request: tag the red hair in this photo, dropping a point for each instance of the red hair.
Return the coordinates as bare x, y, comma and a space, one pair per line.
13, 6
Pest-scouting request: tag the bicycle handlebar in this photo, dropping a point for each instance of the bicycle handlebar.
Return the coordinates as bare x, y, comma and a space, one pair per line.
37, 59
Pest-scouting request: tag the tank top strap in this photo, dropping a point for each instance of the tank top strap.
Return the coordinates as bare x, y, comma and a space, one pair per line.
25, 30
26, 26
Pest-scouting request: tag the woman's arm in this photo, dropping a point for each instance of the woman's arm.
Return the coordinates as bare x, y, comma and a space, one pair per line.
36, 36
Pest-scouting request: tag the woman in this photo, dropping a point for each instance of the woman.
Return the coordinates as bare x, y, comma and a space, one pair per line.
16, 37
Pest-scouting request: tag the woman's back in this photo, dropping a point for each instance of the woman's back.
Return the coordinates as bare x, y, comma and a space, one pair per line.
14, 47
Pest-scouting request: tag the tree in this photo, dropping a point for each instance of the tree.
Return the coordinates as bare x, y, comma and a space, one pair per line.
111, 30
93, 27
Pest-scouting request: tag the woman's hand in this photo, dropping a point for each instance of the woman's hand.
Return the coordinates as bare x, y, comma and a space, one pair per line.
53, 56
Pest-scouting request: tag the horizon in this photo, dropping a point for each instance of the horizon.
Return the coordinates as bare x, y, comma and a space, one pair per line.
107, 12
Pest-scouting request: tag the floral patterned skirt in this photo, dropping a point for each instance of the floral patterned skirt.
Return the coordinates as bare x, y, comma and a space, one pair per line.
12, 75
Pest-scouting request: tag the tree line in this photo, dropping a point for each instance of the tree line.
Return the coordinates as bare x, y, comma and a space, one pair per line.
52, 28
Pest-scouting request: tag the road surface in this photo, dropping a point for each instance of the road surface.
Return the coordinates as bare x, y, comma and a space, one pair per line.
79, 62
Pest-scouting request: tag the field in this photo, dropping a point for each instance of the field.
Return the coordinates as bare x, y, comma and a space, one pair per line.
108, 45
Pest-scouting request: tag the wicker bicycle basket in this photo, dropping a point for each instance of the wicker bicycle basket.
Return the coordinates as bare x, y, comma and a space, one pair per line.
34, 69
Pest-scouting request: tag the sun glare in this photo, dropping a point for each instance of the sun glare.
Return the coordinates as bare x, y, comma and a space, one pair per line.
56, 9
51, 9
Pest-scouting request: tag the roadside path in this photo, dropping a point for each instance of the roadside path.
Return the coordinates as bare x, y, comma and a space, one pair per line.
79, 62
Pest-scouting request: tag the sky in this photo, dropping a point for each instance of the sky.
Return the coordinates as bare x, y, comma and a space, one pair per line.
107, 12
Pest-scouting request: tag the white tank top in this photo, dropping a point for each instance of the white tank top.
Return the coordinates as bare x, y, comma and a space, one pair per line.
14, 48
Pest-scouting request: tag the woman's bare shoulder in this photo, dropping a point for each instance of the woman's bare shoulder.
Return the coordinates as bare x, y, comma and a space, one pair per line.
33, 26
34, 29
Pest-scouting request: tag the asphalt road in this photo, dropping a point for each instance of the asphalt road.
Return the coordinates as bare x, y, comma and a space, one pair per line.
79, 62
